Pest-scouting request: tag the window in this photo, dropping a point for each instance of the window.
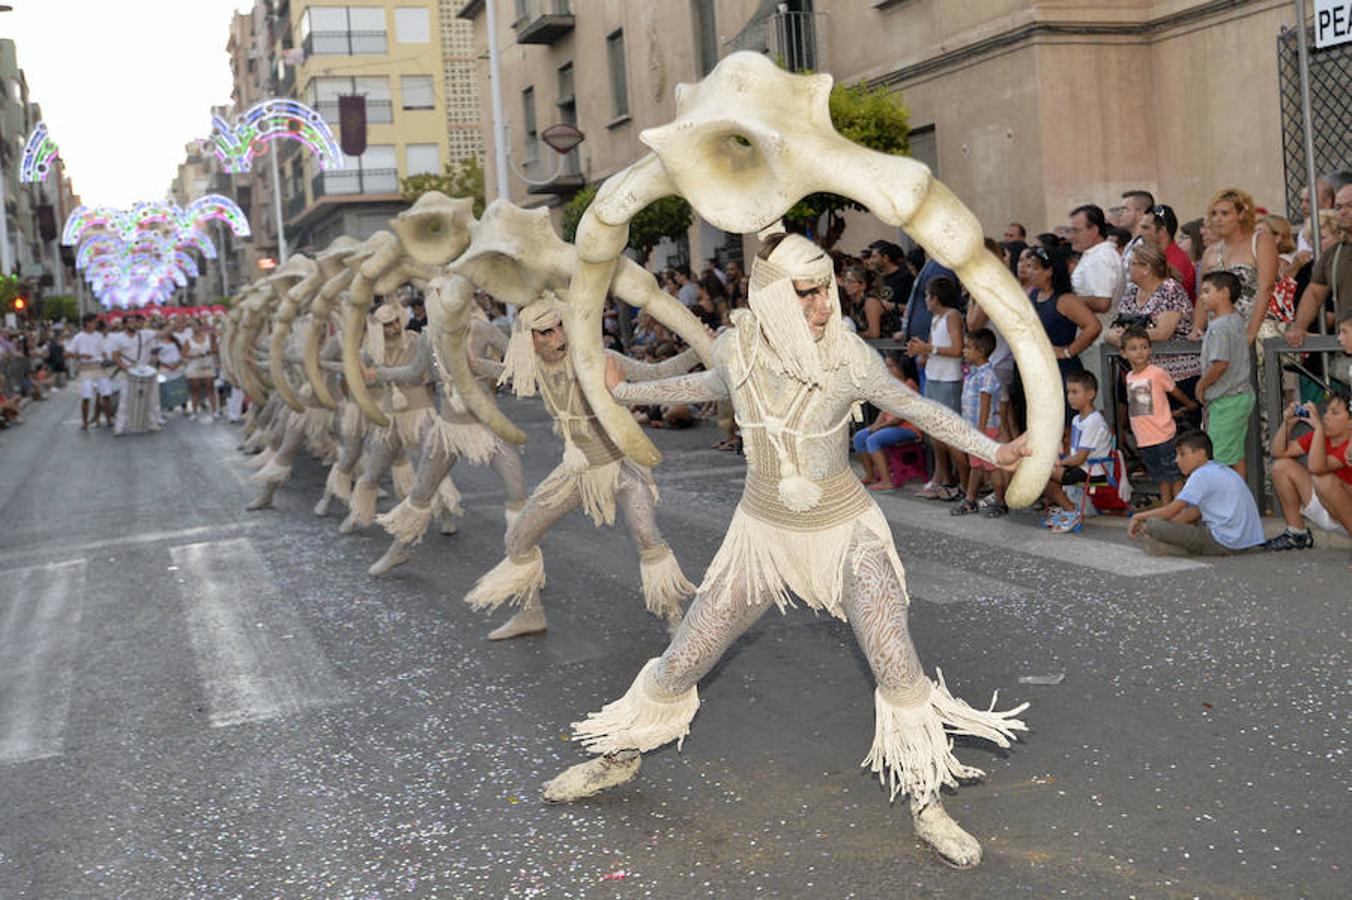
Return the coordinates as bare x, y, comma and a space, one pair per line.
528, 124
423, 159
343, 30
417, 92
619, 86
410, 25
706, 35
324, 93
373, 172
566, 84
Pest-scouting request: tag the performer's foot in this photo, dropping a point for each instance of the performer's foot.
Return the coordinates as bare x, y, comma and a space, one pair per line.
264, 498
936, 827
397, 555
322, 507
448, 525
349, 524
530, 620
592, 777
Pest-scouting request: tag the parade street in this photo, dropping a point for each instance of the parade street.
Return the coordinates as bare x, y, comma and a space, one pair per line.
200, 701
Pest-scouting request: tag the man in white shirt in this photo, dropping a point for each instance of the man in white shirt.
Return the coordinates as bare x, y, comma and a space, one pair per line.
86, 353
1098, 278
128, 349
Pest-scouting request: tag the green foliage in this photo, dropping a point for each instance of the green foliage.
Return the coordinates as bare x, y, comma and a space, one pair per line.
669, 217
9, 289
873, 117
463, 179
60, 306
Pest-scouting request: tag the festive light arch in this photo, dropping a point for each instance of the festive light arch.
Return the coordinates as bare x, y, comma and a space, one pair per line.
271, 120
38, 155
221, 209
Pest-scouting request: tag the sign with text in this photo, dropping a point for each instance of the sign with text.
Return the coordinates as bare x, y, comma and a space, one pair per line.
1332, 23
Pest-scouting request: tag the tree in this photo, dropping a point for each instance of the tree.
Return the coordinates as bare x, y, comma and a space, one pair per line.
873, 117
463, 179
669, 217
60, 306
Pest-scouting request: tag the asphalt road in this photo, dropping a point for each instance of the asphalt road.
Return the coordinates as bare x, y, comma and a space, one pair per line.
200, 701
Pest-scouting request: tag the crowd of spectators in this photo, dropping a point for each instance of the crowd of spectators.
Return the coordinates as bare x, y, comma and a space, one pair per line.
1184, 305
95, 356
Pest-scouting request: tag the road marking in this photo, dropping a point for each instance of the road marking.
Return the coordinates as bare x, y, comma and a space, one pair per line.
39, 631
1078, 550
145, 537
256, 659
935, 581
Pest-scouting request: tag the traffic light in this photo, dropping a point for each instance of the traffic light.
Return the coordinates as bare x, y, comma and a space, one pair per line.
20, 303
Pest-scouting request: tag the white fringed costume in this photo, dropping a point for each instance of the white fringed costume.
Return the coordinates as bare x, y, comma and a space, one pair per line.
402, 374
594, 475
453, 435
806, 528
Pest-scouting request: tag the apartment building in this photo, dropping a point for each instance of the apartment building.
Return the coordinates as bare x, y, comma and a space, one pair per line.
33, 212
1024, 107
389, 52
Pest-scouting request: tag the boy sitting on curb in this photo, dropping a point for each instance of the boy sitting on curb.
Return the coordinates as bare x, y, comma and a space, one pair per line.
1216, 495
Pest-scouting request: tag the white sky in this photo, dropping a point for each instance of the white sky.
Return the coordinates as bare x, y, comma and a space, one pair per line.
123, 85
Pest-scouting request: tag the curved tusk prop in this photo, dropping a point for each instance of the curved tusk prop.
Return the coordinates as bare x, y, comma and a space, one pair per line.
748, 142
281, 330
449, 303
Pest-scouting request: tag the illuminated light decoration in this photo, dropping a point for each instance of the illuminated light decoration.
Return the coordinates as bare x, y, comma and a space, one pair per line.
220, 208
272, 120
87, 218
38, 155
186, 262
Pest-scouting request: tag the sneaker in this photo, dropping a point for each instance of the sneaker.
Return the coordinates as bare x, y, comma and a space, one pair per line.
1066, 521
930, 491
1290, 540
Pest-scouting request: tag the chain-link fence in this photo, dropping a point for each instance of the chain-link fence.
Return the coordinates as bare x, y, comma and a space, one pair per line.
1330, 107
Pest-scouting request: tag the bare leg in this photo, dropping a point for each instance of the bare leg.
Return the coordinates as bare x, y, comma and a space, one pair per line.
879, 470
1293, 485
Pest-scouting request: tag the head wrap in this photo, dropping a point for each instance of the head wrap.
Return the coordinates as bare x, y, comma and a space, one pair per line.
518, 363
779, 313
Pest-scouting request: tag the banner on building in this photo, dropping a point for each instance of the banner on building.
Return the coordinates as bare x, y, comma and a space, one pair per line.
352, 124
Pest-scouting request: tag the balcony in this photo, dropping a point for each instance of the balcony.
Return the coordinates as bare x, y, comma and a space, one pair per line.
355, 182
378, 112
794, 40
542, 21
345, 43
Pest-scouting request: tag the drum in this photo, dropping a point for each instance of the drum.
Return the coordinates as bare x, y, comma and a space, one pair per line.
141, 397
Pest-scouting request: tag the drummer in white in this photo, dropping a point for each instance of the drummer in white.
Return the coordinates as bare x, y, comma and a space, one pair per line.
86, 353
131, 349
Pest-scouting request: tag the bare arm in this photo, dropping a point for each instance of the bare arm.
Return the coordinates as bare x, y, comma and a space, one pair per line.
1168, 512
1266, 263
1311, 302
1081, 313
873, 318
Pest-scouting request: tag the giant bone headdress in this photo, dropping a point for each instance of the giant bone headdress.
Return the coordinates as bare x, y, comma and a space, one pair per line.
295, 283
516, 256
335, 277
774, 302
748, 142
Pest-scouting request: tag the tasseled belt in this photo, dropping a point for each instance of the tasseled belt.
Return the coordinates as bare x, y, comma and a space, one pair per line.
843, 498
